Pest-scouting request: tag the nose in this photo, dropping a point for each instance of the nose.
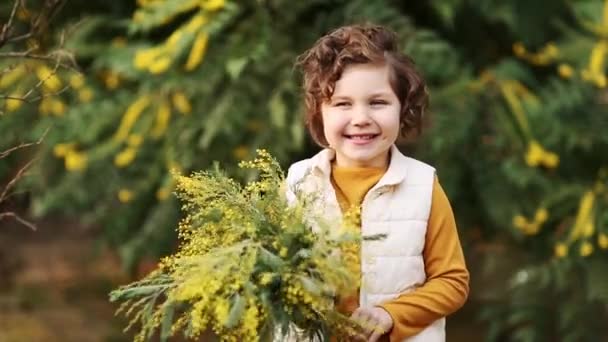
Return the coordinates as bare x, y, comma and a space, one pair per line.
361, 117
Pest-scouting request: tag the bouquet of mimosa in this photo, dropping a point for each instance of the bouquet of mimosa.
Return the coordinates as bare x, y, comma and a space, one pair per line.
248, 267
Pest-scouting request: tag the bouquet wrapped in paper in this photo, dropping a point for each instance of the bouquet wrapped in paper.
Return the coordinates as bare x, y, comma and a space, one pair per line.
249, 267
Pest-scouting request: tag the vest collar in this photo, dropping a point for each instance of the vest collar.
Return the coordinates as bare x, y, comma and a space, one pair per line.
395, 174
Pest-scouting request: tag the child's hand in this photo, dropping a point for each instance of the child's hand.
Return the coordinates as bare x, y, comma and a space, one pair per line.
375, 322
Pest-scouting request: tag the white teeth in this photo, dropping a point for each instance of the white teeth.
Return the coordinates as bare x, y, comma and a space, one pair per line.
361, 137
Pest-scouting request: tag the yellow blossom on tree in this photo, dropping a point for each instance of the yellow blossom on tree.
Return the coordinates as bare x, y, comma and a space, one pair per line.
241, 152
135, 140
57, 107
10, 77
163, 193
525, 226
160, 65
61, 150
49, 78
85, 94
602, 240
45, 106
125, 195
561, 250
213, 5
519, 49
75, 161
197, 52
130, 117
163, 116
13, 102
181, 103
537, 155
586, 249
125, 157
77, 81
111, 80
541, 215
565, 70
144, 58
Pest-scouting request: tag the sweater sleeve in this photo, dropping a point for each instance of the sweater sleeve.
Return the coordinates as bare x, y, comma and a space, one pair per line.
447, 284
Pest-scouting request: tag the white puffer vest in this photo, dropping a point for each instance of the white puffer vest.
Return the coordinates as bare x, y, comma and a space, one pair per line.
398, 206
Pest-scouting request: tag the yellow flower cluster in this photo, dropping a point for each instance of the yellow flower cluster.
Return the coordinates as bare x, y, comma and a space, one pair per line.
531, 227
544, 57
73, 160
536, 155
584, 227
594, 72
247, 259
158, 59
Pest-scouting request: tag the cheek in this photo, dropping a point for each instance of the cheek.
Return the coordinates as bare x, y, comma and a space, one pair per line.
391, 123
333, 123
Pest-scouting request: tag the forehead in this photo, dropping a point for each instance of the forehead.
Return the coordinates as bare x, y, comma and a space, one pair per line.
363, 79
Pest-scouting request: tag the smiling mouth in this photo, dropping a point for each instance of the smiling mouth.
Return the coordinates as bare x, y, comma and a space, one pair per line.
361, 137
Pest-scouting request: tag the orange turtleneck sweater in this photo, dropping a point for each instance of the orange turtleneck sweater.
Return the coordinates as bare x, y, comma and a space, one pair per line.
447, 284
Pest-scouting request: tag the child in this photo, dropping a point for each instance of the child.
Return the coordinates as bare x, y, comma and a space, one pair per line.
361, 93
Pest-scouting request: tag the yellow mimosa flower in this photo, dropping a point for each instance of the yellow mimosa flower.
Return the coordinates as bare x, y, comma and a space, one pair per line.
46, 106
125, 157
160, 65
541, 215
561, 250
536, 155
135, 140
77, 81
58, 107
596, 60
213, 5
519, 49
195, 23
75, 161
602, 240
163, 193
565, 71
85, 94
144, 58
111, 80
600, 80
197, 52
585, 207
181, 103
586, 249
125, 195
10, 77
519, 221
241, 152
61, 150
163, 116
49, 78
12, 104
130, 117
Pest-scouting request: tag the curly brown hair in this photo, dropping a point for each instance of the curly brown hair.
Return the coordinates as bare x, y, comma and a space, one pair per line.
323, 64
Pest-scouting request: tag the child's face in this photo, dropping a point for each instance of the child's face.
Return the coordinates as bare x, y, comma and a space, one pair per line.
361, 120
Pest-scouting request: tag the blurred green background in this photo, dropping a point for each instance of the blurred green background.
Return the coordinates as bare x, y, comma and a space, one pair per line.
100, 100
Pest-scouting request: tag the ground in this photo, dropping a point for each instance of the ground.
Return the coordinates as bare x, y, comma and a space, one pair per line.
54, 285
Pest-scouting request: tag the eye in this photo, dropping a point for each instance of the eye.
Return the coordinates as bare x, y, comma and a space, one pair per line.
378, 102
341, 104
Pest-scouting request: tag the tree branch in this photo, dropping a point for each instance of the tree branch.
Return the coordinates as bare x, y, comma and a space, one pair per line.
18, 219
5, 154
